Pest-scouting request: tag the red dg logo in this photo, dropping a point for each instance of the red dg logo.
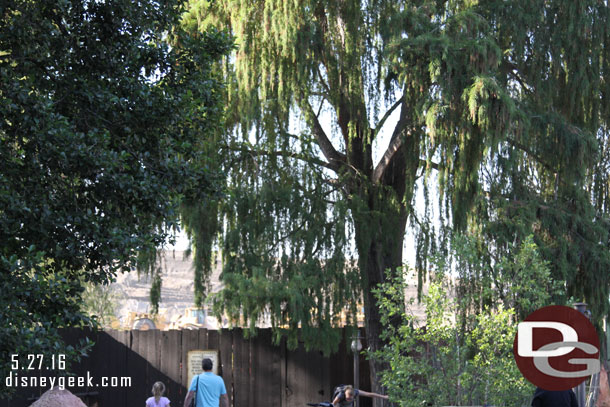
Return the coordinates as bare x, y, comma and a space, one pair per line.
556, 348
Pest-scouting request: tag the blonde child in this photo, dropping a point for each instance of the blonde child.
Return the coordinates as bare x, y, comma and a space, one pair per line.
157, 400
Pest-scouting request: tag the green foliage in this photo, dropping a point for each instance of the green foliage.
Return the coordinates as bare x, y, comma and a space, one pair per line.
462, 353
302, 279
545, 178
34, 305
486, 282
101, 126
502, 101
100, 303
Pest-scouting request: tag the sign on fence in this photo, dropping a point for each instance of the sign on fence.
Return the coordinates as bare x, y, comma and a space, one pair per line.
195, 357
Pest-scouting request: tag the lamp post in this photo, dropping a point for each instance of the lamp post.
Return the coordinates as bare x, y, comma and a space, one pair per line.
580, 389
356, 348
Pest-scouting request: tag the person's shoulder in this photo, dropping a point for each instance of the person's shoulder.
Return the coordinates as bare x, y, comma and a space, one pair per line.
540, 391
208, 376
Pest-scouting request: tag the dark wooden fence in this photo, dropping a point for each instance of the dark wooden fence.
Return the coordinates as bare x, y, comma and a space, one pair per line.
256, 372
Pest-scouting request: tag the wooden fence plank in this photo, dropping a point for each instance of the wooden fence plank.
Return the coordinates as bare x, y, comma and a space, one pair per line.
241, 370
204, 339
365, 377
190, 341
151, 355
296, 384
213, 343
306, 377
171, 359
341, 369
226, 361
213, 340
137, 365
112, 359
266, 362
86, 365
283, 373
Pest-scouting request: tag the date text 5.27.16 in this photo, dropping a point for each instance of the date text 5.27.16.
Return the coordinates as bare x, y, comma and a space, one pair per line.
38, 362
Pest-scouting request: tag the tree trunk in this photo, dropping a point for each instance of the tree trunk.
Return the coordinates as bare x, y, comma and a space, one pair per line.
380, 241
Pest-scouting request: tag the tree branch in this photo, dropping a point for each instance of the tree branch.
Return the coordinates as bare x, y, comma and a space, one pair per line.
287, 154
432, 164
335, 159
525, 149
322, 81
394, 146
385, 117
395, 143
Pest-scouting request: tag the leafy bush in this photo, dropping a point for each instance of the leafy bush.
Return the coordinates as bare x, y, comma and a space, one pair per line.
461, 354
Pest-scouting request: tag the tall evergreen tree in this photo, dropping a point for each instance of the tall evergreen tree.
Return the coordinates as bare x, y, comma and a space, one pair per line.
505, 102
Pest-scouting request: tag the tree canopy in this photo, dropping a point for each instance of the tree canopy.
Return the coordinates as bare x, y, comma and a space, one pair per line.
101, 119
503, 105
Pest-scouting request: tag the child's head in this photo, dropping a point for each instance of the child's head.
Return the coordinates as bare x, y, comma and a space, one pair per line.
158, 389
349, 393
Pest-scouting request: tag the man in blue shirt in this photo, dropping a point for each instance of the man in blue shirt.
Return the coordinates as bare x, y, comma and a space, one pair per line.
210, 388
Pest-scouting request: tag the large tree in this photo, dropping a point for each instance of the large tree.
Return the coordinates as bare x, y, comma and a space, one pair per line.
505, 102
100, 119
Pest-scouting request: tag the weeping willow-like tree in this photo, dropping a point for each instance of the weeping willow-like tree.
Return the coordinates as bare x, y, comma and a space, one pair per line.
503, 105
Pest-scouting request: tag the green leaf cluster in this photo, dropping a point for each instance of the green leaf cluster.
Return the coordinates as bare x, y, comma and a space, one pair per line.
102, 123
34, 306
292, 273
100, 301
520, 281
460, 353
